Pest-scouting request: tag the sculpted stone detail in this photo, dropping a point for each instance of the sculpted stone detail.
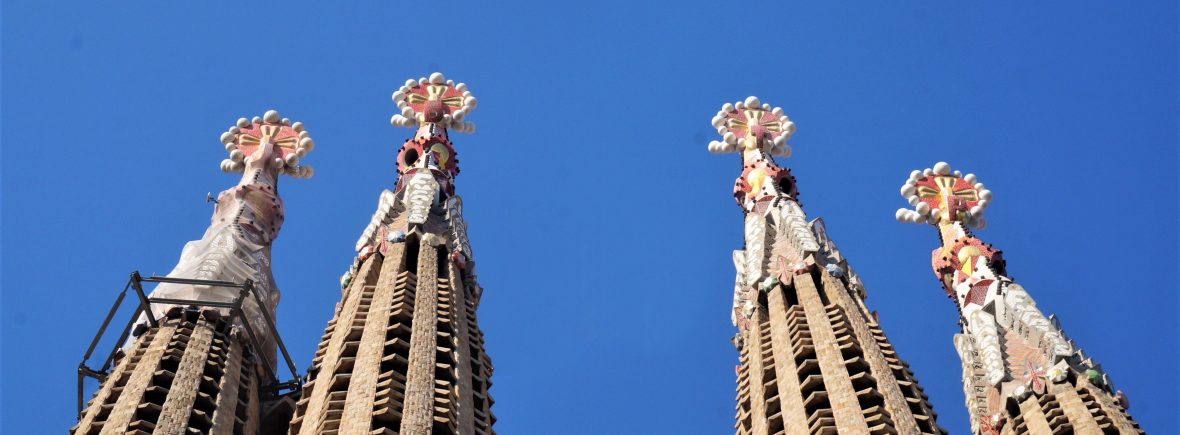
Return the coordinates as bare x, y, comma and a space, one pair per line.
421, 194
459, 241
778, 237
813, 358
1010, 350
404, 353
386, 203
246, 220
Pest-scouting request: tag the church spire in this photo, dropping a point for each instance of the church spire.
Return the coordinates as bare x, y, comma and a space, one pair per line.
1019, 369
813, 358
403, 352
201, 358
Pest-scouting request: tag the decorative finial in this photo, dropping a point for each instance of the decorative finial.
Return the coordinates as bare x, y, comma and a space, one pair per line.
434, 100
939, 195
245, 142
751, 124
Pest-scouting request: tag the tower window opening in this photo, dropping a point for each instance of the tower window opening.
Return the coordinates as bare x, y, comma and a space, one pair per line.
785, 186
410, 157
411, 257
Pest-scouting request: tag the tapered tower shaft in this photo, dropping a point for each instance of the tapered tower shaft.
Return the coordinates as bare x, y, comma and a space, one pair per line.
1021, 375
813, 359
403, 353
193, 365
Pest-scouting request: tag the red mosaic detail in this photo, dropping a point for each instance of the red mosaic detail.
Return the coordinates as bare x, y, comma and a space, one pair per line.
1034, 377
285, 138
459, 260
986, 427
959, 195
439, 149
748, 187
433, 100
978, 293
762, 123
365, 252
964, 252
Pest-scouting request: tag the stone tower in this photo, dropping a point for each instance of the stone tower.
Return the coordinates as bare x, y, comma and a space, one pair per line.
201, 359
813, 358
403, 353
1021, 375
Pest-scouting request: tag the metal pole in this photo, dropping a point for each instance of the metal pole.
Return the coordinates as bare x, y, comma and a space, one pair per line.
80, 379
191, 302
122, 337
105, 323
274, 330
147, 306
250, 331
172, 280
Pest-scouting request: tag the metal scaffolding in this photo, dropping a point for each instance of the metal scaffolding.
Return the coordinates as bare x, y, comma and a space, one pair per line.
245, 290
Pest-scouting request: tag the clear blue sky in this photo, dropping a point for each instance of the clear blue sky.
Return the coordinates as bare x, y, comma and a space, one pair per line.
601, 226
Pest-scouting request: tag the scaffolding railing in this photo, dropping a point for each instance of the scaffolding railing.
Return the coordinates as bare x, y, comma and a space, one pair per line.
245, 290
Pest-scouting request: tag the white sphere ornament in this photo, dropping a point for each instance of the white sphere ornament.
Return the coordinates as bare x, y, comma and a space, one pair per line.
922, 208
942, 168
900, 215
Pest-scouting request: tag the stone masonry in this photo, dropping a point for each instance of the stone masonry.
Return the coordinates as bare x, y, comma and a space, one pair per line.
813, 359
403, 353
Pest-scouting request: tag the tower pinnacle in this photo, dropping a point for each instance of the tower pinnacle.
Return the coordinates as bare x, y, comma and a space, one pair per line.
813, 358
758, 132
403, 352
201, 358
1019, 369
